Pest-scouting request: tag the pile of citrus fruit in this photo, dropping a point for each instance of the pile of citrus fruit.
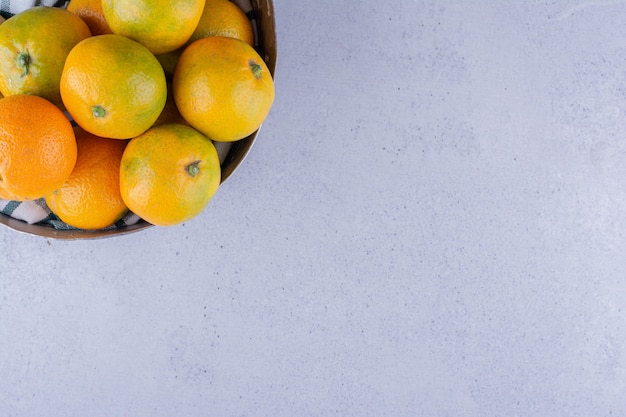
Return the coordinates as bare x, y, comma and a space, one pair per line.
115, 105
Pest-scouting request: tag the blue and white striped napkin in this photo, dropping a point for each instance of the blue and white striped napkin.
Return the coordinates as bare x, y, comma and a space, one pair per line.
36, 211
10, 7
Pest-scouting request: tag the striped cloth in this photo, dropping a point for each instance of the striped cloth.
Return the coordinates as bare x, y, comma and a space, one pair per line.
36, 211
10, 7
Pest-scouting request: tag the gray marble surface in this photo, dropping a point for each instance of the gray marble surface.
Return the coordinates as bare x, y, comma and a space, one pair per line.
432, 223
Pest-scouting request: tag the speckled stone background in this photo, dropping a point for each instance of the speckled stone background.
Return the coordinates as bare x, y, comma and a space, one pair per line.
432, 223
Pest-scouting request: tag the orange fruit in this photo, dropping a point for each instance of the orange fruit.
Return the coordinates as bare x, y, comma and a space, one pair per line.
160, 25
37, 147
169, 174
223, 18
223, 88
168, 61
113, 86
170, 113
90, 198
91, 12
33, 48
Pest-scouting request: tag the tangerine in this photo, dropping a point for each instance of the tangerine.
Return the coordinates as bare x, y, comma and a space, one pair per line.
223, 18
113, 86
223, 88
33, 48
90, 198
160, 25
37, 147
170, 113
168, 61
169, 174
91, 13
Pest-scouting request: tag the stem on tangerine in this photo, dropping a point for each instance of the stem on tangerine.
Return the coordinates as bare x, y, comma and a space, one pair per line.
23, 62
98, 111
193, 169
255, 68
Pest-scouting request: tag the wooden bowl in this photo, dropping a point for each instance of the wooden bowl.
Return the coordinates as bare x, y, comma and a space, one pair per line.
236, 152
